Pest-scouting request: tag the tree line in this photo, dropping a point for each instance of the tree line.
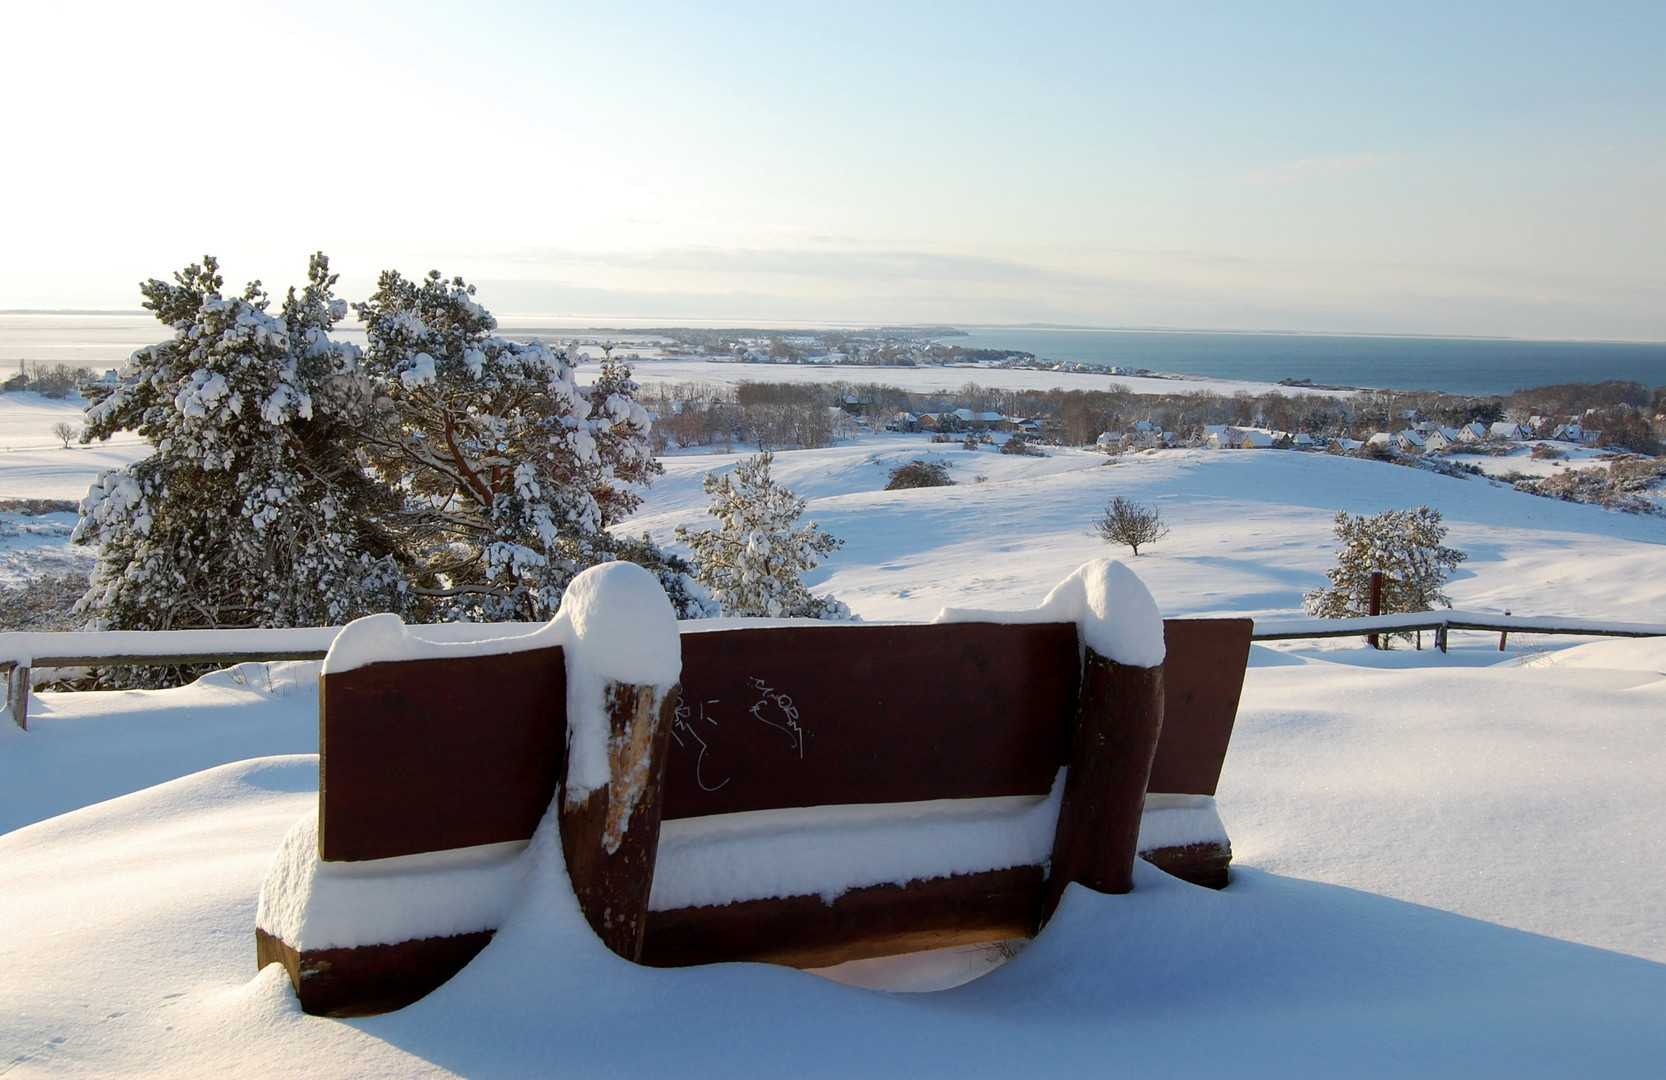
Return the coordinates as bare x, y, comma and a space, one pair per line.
810, 415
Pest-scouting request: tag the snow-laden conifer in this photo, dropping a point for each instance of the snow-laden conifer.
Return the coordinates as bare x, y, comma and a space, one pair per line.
752, 561
512, 472
252, 508
1405, 545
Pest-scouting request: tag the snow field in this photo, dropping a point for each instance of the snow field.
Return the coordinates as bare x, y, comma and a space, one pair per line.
1250, 531
1448, 865
1521, 795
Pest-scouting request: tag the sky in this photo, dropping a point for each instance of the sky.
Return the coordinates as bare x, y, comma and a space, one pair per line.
1440, 168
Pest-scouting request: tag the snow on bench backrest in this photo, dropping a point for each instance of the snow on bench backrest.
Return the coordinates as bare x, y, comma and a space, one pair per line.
441, 752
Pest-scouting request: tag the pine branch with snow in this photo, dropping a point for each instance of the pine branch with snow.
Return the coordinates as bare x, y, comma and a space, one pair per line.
512, 472
252, 509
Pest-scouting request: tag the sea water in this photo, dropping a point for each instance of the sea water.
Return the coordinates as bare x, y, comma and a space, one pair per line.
1478, 366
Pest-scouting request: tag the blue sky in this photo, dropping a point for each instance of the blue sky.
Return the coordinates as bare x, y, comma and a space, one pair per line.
1435, 168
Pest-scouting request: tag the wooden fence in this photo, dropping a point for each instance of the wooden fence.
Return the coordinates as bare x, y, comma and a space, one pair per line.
21, 652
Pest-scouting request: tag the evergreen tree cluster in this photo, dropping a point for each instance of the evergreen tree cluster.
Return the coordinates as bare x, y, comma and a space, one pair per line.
441, 473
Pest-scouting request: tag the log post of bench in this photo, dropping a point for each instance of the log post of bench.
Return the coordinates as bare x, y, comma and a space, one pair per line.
1118, 722
611, 836
624, 659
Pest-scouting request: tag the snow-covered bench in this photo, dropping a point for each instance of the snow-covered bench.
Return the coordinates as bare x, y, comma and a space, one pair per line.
792, 792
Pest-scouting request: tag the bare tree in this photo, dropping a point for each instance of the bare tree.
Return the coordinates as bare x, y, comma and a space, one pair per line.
65, 431
1127, 522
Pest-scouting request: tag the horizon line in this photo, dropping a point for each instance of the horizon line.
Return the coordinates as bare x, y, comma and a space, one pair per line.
600, 323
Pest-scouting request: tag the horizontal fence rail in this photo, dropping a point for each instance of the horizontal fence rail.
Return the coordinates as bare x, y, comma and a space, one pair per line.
1294, 629
21, 652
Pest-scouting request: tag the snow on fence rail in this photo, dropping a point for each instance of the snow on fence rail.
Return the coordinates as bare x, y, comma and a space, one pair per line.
20, 652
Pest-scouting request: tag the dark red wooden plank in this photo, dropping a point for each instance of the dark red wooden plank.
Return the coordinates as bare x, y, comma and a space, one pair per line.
425, 755
880, 920
1203, 864
1203, 678
370, 979
811, 716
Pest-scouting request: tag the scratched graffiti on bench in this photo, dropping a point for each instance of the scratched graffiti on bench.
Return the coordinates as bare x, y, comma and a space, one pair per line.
772, 709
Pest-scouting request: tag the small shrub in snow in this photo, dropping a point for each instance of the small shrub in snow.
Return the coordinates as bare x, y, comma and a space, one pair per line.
1018, 444
1406, 545
37, 507
1547, 452
752, 561
1623, 485
1127, 522
919, 473
64, 431
44, 603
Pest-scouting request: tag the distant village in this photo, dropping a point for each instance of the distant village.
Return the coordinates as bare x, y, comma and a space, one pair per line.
882, 347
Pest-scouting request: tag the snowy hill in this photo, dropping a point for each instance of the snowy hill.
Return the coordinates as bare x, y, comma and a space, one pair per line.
1250, 530
1448, 864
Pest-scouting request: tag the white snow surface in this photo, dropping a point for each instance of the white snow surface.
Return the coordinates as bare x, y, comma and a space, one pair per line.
622, 629
1446, 865
312, 904
828, 850
386, 638
1172, 820
1111, 607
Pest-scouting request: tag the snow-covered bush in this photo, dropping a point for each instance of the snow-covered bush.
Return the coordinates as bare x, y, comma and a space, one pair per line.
252, 508
511, 471
752, 561
1405, 545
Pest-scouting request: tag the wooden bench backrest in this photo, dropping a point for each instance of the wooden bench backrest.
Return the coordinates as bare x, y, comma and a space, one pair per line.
427, 755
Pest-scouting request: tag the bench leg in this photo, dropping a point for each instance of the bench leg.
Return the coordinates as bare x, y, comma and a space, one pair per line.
1118, 720
611, 838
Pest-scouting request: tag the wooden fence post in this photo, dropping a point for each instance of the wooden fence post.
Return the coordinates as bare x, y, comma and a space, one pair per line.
1117, 725
1440, 637
1376, 604
17, 695
611, 837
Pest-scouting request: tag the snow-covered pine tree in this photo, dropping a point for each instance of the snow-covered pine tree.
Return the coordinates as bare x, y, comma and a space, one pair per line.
752, 561
252, 509
512, 472
1406, 545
